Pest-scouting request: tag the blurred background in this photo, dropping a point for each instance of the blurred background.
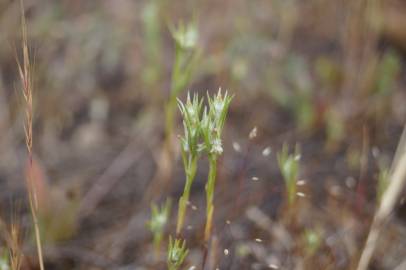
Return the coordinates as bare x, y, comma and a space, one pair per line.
328, 76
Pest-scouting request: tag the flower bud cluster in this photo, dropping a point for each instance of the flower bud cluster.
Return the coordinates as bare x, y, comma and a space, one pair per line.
209, 126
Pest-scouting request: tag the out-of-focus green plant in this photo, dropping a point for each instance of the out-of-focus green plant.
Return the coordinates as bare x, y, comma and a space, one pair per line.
312, 241
177, 253
186, 59
158, 221
335, 127
212, 126
291, 88
301, 101
327, 72
385, 76
387, 71
354, 157
153, 41
4, 260
289, 167
191, 112
383, 183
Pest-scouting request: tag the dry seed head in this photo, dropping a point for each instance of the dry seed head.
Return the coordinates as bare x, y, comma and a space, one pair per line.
237, 147
301, 194
24, 70
301, 182
253, 133
266, 152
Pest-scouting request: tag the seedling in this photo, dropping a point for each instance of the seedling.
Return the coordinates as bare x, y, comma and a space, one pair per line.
186, 58
4, 264
191, 112
209, 128
158, 221
312, 240
289, 167
212, 126
177, 253
386, 74
153, 70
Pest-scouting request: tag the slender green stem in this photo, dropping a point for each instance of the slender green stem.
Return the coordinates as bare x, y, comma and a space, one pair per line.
171, 105
190, 175
157, 243
176, 72
211, 182
169, 123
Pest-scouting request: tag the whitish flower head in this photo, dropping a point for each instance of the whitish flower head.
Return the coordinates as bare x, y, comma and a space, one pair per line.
218, 109
216, 147
213, 121
191, 123
177, 253
159, 217
186, 35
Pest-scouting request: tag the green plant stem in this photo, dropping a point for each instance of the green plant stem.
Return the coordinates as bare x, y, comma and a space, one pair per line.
169, 123
211, 182
176, 74
291, 186
171, 105
190, 176
157, 243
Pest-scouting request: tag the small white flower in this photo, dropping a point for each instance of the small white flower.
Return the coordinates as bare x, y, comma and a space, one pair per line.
186, 36
161, 219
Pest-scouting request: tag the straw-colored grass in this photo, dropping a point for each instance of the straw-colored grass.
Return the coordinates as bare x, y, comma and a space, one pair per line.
25, 72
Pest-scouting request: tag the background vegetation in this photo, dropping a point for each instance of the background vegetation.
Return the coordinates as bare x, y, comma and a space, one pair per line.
317, 113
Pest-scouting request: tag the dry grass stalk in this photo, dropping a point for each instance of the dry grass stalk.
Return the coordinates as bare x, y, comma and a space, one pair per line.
16, 255
25, 73
389, 199
13, 241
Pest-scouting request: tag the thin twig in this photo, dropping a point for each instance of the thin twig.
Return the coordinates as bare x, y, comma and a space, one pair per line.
389, 199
